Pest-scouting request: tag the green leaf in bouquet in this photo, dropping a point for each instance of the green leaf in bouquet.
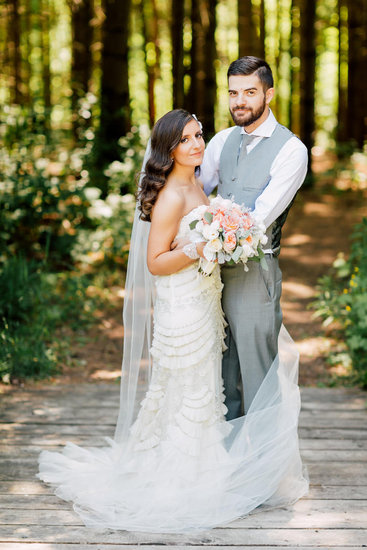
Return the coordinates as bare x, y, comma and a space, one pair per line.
263, 262
193, 224
237, 253
208, 216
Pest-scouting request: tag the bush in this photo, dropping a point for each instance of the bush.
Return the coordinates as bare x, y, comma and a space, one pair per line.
342, 300
33, 304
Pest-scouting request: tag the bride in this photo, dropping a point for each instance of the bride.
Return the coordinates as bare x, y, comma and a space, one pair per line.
176, 464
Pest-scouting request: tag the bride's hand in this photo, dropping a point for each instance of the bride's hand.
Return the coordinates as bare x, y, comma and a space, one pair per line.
178, 244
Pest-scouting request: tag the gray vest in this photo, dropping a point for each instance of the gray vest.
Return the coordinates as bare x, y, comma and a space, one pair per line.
246, 179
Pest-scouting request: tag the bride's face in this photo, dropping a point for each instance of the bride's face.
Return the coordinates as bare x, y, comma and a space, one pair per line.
190, 151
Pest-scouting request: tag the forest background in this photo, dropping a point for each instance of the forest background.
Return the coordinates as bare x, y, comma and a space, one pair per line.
81, 84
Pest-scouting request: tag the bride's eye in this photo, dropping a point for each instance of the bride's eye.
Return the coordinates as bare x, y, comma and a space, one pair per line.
199, 135
184, 140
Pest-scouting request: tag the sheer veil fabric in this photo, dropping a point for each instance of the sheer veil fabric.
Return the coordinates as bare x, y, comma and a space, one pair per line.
208, 472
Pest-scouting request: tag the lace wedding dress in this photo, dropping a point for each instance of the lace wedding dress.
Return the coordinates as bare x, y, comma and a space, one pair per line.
185, 468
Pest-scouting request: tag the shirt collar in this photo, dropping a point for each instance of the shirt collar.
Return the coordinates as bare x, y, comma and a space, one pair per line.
266, 128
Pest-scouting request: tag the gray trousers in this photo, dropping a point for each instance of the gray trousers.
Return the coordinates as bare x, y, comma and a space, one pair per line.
251, 303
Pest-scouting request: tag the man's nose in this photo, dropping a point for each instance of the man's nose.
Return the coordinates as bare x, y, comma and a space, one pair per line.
241, 99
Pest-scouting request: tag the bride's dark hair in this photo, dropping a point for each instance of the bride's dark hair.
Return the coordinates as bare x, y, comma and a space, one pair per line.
166, 136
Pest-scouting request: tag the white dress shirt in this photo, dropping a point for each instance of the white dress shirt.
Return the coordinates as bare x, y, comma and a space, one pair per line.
287, 172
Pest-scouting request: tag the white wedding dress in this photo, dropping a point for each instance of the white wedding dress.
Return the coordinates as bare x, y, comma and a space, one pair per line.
183, 467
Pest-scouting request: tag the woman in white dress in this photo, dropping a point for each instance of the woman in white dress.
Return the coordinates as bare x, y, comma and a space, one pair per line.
176, 465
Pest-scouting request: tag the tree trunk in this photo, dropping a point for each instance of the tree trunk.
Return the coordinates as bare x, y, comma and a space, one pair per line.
115, 99
307, 73
27, 53
246, 29
357, 71
152, 51
261, 41
203, 54
45, 46
342, 127
251, 28
81, 62
177, 22
14, 52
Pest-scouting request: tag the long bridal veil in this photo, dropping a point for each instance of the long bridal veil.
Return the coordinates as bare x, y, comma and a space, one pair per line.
137, 321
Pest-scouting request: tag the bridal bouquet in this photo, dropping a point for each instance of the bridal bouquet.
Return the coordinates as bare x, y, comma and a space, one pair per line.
231, 234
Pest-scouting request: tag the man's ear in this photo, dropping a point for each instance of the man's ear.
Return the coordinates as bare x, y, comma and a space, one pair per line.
269, 95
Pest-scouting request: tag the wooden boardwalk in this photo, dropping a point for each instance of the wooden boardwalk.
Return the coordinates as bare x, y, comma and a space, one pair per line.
333, 431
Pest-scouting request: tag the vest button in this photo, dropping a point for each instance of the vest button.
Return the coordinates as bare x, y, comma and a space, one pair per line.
233, 179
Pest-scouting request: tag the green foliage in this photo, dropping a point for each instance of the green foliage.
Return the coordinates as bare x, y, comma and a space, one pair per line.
342, 300
33, 305
118, 176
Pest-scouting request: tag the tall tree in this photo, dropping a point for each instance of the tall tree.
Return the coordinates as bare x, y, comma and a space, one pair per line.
177, 23
307, 73
342, 127
81, 60
357, 71
14, 51
203, 86
115, 98
294, 73
45, 46
251, 28
246, 30
152, 51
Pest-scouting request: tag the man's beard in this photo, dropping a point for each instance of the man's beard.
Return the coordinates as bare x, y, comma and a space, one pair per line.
254, 115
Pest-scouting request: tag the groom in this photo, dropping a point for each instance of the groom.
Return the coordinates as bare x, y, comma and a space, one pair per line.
262, 164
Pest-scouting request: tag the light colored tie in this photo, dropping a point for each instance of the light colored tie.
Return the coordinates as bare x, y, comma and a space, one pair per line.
246, 139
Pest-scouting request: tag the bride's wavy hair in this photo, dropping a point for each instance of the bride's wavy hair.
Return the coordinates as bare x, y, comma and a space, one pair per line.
166, 136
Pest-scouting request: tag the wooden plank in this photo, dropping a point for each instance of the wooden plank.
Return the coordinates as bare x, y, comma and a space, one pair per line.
329, 444
337, 492
53, 439
304, 514
339, 456
333, 395
111, 546
18, 487
32, 502
216, 537
332, 433
56, 546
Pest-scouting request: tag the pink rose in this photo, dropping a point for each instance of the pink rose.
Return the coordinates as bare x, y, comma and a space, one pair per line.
230, 241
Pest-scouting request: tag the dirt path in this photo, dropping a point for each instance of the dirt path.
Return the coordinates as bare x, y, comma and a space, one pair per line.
318, 227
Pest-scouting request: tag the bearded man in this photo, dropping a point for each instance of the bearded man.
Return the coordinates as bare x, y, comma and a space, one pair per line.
261, 164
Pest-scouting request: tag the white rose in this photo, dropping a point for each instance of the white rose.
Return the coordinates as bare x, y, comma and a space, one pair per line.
215, 244
247, 251
210, 232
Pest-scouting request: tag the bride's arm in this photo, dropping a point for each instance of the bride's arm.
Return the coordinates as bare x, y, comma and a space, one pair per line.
166, 217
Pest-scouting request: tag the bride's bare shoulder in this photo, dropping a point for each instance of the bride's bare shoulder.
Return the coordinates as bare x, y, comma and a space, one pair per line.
170, 204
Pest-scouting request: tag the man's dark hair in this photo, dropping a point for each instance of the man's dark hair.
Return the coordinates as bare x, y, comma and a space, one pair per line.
250, 65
